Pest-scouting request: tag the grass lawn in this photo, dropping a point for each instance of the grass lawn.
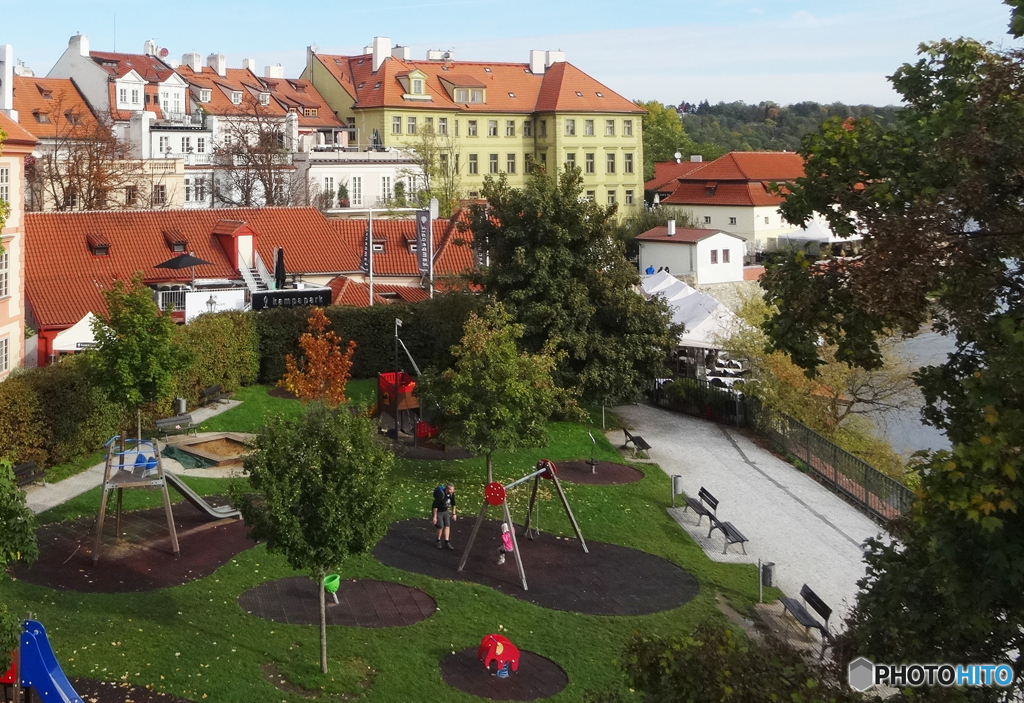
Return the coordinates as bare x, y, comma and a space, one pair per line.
195, 641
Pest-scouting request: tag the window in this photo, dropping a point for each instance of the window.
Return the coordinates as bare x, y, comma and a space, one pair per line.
527, 128
5, 263
725, 256
159, 194
610, 166
417, 86
70, 198
188, 199
492, 128
627, 162
591, 195
589, 160
378, 247
627, 128
570, 128
442, 125
165, 144
328, 185
732, 220
714, 256
588, 128
511, 95
428, 124
135, 96
609, 128
308, 111
122, 95
611, 197
476, 96
766, 220
199, 188
236, 97
543, 128
410, 125
385, 188
473, 165
356, 190
204, 95
396, 125
186, 144
544, 158
707, 219
456, 124
493, 165
5, 184
471, 129
599, 94
177, 101
200, 145
510, 128
461, 95
131, 195
41, 117
629, 197
443, 162
570, 160
5, 356
510, 163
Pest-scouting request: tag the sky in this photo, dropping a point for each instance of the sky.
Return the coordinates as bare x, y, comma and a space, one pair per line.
717, 50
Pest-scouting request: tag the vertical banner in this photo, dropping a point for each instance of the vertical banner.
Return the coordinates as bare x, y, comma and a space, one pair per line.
364, 263
423, 240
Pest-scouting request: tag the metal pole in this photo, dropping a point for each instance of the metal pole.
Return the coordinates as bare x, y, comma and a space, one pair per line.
472, 535
515, 545
568, 510
369, 217
397, 325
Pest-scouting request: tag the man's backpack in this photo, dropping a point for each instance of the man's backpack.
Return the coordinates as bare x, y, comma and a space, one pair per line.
439, 492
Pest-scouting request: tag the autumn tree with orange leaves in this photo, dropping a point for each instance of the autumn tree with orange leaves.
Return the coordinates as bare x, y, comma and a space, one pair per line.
324, 369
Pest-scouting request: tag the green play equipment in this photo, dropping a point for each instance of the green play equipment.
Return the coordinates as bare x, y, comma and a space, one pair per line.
331, 584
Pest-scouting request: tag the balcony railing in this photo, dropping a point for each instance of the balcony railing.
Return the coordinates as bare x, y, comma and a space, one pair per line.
174, 300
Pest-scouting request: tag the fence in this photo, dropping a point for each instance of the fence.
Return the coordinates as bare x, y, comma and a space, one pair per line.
862, 484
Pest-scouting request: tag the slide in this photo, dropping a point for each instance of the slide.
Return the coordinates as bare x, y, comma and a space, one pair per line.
39, 668
195, 499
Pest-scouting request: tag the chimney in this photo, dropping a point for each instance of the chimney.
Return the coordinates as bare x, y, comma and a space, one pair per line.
218, 64
554, 57
249, 64
149, 48
402, 53
537, 62
381, 50
193, 60
79, 43
7, 81
696, 158
367, 49
275, 71
671, 226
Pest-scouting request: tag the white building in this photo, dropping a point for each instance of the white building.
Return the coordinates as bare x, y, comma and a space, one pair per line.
700, 255
369, 177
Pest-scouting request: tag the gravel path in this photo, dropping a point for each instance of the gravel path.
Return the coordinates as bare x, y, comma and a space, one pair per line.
811, 534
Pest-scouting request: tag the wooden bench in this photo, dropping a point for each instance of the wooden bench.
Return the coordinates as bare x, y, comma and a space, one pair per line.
638, 442
28, 472
804, 617
176, 424
212, 394
729, 531
703, 504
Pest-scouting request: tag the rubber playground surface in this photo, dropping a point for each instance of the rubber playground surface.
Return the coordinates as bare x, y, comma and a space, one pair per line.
610, 580
537, 677
112, 692
603, 473
140, 559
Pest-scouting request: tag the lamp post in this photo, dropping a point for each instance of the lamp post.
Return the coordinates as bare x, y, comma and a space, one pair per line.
398, 324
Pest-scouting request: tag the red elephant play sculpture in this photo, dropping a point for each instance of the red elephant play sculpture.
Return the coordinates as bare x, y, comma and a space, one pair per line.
499, 650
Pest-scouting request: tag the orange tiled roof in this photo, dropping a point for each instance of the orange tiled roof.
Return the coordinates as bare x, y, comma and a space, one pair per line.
717, 193
16, 134
753, 166
298, 94
738, 178
683, 235
665, 172
453, 254
150, 69
346, 291
59, 100
511, 87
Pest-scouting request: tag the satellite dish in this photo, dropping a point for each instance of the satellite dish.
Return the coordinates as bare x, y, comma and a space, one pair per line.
164, 53
678, 155
447, 55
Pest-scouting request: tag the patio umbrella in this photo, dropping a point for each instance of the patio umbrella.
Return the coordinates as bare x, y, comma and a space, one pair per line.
183, 261
279, 274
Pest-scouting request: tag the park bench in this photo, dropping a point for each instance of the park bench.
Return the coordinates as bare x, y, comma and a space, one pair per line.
212, 394
176, 424
703, 504
729, 531
638, 442
804, 617
28, 472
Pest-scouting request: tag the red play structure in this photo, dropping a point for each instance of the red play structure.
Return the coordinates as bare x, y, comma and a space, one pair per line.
406, 405
497, 649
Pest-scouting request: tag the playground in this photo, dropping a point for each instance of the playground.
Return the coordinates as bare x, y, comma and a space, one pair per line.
226, 621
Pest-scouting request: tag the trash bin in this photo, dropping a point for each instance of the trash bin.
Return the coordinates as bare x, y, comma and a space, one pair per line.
179, 405
677, 487
768, 574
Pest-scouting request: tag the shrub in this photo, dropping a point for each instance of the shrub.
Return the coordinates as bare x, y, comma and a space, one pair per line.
224, 351
22, 427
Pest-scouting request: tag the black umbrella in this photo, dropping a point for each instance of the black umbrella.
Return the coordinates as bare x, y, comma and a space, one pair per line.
183, 261
279, 275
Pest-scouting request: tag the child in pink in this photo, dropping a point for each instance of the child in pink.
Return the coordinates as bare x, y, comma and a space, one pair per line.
506, 543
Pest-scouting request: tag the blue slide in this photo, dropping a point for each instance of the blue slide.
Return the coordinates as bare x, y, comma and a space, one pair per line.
39, 668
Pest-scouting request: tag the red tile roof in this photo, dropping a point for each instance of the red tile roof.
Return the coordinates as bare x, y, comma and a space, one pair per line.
667, 171
59, 100
754, 194
357, 294
16, 134
738, 178
453, 251
511, 87
683, 235
753, 166
150, 68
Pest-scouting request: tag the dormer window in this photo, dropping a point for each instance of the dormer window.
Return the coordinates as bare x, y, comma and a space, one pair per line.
204, 95
417, 86
41, 117
98, 244
378, 247
72, 117
264, 98
236, 97
309, 112
46, 93
461, 95
476, 96
175, 241
710, 188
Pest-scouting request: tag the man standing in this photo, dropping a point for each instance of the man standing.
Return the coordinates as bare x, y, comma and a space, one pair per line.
443, 512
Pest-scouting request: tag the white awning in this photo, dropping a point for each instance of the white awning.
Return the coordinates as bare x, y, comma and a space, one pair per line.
706, 320
77, 337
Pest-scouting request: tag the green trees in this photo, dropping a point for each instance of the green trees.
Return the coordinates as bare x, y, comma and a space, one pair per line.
494, 397
664, 135
17, 543
554, 264
324, 495
937, 197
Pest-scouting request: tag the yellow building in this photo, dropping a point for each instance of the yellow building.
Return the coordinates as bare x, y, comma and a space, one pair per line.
490, 117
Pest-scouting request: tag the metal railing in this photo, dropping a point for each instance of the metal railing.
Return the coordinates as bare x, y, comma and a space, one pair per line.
261, 268
250, 282
174, 300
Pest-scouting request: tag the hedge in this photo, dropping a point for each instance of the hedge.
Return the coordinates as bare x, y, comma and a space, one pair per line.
225, 352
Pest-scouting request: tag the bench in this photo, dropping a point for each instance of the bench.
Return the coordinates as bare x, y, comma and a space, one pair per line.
800, 612
703, 504
729, 531
212, 394
638, 442
176, 424
28, 472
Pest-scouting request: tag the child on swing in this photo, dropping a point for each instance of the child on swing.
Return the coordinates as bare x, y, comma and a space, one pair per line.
506, 543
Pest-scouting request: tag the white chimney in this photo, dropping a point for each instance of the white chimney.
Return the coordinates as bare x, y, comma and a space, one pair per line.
275, 71
671, 226
249, 64
193, 60
554, 57
696, 158
218, 64
537, 61
79, 43
402, 53
149, 48
381, 50
7, 81
367, 49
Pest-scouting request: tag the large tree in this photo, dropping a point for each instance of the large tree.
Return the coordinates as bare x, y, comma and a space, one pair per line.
252, 162
939, 198
552, 260
323, 492
663, 136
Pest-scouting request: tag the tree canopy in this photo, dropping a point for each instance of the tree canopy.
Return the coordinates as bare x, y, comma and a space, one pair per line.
554, 263
663, 136
323, 371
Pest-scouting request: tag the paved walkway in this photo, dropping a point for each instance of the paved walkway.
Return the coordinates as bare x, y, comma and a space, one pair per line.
40, 498
811, 534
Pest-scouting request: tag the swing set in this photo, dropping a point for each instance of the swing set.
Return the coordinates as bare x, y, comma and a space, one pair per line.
495, 494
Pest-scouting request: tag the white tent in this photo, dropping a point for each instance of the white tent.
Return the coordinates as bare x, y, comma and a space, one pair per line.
77, 337
667, 286
706, 320
814, 231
